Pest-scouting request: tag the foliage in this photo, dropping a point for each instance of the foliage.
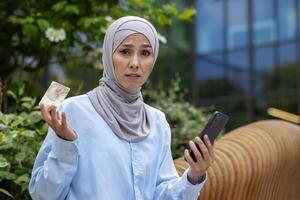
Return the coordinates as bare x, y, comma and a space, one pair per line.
217, 87
185, 120
282, 79
21, 134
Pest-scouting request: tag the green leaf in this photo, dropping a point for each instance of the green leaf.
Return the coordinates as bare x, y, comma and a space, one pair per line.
18, 121
6, 192
139, 3
27, 105
32, 118
6, 145
2, 136
43, 24
14, 133
44, 129
72, 9
6, 119
22, 86
7, 175
163, 20
170, 9
3, 161
30, 30
187, 14
28, 20
22, 179
20, 156
28, 99
86, 22
12, 94
59, 6
28, 133
36, 107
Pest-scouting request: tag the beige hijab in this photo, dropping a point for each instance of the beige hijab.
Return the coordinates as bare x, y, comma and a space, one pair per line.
123, 109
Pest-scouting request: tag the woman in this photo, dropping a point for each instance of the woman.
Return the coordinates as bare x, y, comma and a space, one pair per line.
113, 145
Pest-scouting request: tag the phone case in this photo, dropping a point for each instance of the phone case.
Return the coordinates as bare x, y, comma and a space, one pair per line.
214, 126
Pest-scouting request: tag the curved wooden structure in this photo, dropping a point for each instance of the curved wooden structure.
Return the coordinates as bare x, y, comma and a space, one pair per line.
257, 161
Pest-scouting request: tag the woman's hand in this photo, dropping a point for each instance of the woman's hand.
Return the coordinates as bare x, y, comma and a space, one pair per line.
58, 122
204, 158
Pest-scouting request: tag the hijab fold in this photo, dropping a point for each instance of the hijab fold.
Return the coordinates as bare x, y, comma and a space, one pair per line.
123, 109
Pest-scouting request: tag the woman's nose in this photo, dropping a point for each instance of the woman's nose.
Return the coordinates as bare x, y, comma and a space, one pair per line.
135, 63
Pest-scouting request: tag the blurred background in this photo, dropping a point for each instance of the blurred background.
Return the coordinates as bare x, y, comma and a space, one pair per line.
240, 57
247, 57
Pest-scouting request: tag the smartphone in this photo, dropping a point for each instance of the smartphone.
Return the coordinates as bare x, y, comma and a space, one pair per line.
213, 127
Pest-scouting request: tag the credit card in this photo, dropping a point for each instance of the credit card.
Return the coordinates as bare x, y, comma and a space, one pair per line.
55, 94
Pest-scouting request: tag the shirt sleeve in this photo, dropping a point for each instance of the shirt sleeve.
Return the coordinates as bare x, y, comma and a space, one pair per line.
169, 185
54, 168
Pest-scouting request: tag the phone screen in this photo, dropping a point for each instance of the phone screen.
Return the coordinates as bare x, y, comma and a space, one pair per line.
213, 127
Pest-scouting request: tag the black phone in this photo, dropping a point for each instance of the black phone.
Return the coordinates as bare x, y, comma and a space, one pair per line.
213, 127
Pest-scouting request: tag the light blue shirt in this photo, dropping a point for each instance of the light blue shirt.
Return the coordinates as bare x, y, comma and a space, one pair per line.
99, 165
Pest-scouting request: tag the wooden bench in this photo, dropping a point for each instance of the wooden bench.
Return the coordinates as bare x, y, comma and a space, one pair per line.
257, 161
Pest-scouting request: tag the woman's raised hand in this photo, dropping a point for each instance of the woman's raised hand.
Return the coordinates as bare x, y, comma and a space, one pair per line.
205, 157
58, 122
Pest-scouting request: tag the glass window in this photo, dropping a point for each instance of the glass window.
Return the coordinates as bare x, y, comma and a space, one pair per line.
263, 23
287, 76
287, 19
214, 58
208, 70
298, 13
286, 103
264, 60
287, 54
239, 60
210, 78
237, 110
240, 80
209, 26
237, 35
258, 82
282, 79
238, 66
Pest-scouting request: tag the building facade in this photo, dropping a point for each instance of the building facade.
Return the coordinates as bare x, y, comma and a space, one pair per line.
247, 56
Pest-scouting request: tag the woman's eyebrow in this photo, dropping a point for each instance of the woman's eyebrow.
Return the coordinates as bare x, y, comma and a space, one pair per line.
131, 45
127, 45
146, 45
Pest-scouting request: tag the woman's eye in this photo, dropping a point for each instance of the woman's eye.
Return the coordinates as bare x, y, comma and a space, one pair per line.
124, 51
146, 53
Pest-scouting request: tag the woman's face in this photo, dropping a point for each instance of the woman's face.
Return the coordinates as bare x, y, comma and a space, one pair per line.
133, 61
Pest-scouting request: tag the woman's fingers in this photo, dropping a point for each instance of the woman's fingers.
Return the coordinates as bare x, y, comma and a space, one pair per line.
204, 157
58, 115
57, 121
209, 147
196, 151
203, 149
188, 158
45, 114
54, 120
64, 121
51, 116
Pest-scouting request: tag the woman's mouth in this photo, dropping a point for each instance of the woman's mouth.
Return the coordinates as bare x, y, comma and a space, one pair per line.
132, 75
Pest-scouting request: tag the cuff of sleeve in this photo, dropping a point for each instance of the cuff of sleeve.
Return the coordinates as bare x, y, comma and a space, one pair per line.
64, 150
192, 191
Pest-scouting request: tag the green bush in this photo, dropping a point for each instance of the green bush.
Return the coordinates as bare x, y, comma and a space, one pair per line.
21, 134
